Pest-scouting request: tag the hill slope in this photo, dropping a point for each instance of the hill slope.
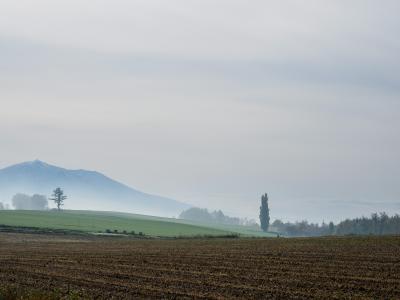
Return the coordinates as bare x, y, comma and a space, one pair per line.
94, 221
86, 189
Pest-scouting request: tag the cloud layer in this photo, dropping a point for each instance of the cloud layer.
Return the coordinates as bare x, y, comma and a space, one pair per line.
209, 102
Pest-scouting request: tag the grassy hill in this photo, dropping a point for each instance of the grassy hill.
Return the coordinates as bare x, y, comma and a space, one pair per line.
99, 221
242, 230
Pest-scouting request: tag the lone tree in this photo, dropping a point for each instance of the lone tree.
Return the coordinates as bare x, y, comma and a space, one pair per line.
264, 213
58, 197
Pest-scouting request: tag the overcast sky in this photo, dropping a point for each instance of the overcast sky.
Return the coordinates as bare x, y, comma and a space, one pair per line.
211, 102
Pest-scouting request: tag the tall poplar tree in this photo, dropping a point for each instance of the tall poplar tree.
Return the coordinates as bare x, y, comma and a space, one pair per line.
264, 213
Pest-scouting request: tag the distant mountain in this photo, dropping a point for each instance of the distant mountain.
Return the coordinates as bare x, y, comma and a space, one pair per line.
85, 189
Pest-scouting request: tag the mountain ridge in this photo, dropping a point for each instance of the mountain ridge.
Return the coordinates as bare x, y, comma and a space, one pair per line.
95, 189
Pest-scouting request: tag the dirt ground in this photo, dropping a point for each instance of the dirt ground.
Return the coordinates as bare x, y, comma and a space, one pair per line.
106, 268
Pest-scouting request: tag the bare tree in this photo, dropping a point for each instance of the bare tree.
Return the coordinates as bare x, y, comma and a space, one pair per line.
58, 197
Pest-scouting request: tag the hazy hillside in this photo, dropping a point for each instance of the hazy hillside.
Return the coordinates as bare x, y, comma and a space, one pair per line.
95, 221
86, 189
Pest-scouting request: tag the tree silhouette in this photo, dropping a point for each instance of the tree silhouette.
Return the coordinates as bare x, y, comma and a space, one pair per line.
331, 227
264, 213
58, 197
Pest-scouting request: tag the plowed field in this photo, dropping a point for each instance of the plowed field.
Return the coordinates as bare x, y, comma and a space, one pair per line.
309, 268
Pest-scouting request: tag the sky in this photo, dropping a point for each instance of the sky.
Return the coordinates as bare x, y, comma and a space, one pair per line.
212, 103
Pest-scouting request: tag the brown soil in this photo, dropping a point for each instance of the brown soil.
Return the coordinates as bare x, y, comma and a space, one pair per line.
99, 267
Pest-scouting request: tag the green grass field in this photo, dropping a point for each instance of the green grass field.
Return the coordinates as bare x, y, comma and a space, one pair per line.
241, 230
96, 221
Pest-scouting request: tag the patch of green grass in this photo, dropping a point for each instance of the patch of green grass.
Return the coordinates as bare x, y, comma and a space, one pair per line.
237, 229
91, 221
244, 231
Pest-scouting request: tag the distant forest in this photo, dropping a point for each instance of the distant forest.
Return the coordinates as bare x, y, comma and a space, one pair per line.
27, 202
202, 215
376, 224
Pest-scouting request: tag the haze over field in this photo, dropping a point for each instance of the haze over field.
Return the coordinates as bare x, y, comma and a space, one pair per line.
211, 103
86, 190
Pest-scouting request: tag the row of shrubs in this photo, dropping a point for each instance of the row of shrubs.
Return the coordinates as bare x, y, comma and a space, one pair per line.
124, 232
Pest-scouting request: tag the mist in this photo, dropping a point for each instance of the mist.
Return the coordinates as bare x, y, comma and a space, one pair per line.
211, 104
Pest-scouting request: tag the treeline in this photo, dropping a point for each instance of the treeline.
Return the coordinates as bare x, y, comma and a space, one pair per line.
26, 202
302, 228
377, 224
204, 216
